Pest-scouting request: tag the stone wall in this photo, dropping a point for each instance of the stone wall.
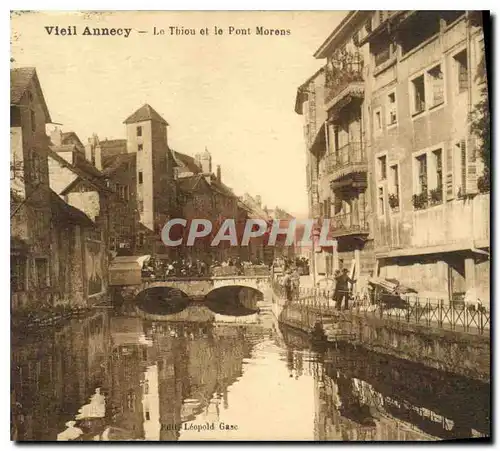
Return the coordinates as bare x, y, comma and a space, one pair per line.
457, 352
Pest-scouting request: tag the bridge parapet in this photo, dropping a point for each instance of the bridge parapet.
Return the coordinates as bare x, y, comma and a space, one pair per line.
196, 287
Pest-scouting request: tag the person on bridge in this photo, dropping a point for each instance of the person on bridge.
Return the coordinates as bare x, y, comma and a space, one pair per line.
342, 289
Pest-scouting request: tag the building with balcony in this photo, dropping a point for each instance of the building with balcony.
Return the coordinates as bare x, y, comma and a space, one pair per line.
334, 109
430, 220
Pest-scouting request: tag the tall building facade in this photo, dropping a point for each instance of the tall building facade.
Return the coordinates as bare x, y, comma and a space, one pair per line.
394, 163
334, 107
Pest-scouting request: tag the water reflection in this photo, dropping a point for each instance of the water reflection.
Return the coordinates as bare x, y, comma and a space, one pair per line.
113, 378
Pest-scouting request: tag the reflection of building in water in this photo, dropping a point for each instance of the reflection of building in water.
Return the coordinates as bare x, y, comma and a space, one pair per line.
55, 375
349, 409
151, 404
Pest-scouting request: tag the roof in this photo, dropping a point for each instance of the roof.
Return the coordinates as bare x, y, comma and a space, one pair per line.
81, 162
84, 171
186, 161
189, 184
343, 27
145, 113
112, 163
221, 188
113, 147
301, 90
66, 213
69, 137
20, 80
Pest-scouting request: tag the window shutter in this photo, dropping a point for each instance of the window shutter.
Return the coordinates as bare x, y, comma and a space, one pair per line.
471, 174
450, 192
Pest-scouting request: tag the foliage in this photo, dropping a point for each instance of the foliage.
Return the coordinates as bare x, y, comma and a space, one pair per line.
393, 201
420, 201
480, 124
436, 196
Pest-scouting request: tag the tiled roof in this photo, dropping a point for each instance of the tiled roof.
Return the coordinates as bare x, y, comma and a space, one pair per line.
188, 184
145, 113
112, 163
81, 162
113, 147
20, 80
68, 213
68, 136
186, 161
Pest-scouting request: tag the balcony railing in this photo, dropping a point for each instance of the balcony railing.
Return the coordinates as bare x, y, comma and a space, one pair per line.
341, 71
349, 223
350, 157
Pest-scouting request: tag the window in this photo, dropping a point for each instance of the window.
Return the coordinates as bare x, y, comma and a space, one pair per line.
140, 240
438, 164
382, 167
436, 82
461, 150
395, 179
377, 121
140, 178
392, 115
418, 94
139, 147
462, 71
381, 200
139, 131
17, 273
422, 173
35, 167
41, 272
123, 192
33, 120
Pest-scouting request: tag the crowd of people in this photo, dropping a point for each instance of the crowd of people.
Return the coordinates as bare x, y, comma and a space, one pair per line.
187, 267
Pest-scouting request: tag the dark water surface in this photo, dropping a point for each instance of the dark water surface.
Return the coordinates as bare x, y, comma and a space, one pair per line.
122, 378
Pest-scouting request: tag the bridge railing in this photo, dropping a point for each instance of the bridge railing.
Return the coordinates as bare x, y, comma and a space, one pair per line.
410, 308
218, 271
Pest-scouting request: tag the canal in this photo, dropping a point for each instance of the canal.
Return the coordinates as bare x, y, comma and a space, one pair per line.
112, 377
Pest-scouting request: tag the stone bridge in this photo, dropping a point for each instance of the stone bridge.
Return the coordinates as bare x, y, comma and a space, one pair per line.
179, 298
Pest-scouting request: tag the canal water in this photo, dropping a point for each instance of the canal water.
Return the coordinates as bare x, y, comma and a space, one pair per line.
112, 377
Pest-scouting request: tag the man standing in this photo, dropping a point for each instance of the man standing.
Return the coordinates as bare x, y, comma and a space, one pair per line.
342, 289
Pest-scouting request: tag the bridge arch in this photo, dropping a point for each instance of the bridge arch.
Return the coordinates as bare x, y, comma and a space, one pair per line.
162, 300
234, 300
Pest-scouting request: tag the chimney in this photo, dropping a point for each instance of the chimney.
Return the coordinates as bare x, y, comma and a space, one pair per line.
219, 178
56, 136
97, 152
258, 199
88, 149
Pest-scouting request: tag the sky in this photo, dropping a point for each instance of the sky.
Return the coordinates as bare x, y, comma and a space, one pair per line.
231, 93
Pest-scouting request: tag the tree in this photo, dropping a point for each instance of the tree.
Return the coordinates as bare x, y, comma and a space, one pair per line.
480, 125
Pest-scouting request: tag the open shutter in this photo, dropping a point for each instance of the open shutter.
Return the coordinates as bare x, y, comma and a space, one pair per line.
471, 174
450, 191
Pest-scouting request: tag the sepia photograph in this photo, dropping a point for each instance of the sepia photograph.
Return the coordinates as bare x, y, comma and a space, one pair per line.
250, 226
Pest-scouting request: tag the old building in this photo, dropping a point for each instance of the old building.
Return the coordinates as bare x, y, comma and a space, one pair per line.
391, 159
156, 190
431, 222
203, 195
333, 104
80, 229
30, 192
